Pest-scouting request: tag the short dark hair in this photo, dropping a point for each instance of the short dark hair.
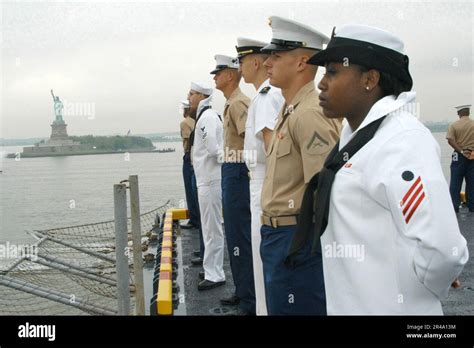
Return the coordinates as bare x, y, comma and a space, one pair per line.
389, 84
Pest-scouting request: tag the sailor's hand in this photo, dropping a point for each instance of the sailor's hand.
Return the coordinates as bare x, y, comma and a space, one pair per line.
467, 153
456, 284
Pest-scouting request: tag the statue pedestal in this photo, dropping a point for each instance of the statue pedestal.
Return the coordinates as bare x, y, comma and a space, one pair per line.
59, 131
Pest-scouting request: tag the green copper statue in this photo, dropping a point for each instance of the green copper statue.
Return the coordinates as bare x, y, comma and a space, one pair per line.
58, 108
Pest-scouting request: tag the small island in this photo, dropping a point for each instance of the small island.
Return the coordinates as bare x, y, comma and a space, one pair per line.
91, 145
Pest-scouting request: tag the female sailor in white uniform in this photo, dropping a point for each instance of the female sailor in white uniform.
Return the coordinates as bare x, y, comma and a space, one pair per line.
391, 242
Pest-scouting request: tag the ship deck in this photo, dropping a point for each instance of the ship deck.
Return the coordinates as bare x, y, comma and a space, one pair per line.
459, 302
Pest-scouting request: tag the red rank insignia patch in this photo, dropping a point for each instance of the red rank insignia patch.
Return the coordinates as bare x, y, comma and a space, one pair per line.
412, 199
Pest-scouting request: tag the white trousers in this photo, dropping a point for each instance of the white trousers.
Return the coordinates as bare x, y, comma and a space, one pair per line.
256, 211
210, 205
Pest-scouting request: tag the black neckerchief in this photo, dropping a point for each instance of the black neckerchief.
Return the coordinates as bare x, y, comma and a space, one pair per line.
315, 204
191, 136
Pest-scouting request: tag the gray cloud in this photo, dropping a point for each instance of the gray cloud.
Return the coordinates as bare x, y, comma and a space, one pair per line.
134, 61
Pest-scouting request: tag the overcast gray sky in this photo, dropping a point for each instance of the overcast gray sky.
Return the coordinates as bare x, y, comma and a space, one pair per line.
131, 63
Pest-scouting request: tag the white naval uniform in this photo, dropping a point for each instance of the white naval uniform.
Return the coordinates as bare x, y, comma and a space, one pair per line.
392, 244
262, 113
208, 144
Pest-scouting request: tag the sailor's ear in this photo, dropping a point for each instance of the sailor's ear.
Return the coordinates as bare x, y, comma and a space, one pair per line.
369, 79
373, 78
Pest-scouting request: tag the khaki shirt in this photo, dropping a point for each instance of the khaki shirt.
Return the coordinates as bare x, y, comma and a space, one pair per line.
462, 132
186, 126
235, 117
301, 141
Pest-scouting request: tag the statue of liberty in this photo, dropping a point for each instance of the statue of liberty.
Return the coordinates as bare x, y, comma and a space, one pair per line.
58, 108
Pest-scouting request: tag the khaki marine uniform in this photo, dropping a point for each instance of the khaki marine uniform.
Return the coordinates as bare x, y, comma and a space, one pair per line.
302, 139
186, 126
462, 131
235, 117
